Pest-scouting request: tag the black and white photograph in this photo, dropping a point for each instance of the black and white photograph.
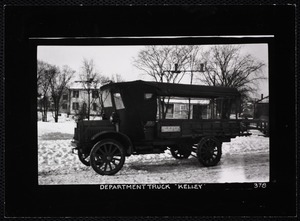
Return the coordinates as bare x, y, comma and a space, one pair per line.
124, 110
153, 114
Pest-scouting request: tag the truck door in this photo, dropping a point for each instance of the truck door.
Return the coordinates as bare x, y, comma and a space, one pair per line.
149, 118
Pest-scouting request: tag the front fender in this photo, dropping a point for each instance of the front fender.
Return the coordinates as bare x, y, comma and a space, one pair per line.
122, 138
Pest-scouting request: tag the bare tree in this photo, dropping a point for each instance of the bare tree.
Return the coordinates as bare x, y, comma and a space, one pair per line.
116, 78
58, 84
45, 73
41, 68
159, 62
91, 80
225, 66
151, 61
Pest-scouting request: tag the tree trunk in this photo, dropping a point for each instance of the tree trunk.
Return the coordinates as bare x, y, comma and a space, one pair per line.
56, 114
56, 109
44, 109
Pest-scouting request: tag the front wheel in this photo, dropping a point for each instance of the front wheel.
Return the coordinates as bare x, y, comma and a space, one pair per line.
107, 157
84, 158
209, 151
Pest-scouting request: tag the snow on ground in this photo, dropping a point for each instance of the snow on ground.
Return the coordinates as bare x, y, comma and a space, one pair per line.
64, 125
48, 128
244, 159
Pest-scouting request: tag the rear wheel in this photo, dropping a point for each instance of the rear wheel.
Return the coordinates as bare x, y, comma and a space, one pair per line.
107, 157
209, 151
181, 151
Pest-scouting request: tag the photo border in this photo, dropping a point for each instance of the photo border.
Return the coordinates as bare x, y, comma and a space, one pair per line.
24, 25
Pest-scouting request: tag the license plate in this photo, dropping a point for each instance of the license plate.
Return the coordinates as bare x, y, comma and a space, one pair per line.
170, 129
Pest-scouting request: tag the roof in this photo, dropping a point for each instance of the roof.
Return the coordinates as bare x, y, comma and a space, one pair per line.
177, 100
79, 86
76, 85
181, 90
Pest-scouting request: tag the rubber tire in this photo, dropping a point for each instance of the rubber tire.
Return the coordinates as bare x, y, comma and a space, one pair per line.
180, 152
205, 154
83, 159
106, 161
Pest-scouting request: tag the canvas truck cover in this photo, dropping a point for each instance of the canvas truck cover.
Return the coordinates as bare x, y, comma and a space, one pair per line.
180, 90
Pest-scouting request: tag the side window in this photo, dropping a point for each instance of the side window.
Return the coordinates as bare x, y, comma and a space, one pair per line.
169, 111
170, 108
106, 98
148, 96
118, 101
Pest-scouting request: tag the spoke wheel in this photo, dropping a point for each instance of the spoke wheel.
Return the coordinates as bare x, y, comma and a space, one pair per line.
84, 158
181, 151
209, 151
107, 157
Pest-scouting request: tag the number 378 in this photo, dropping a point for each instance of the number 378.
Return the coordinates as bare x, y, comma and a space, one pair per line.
260, 185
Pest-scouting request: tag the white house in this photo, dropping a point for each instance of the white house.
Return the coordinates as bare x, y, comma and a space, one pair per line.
75, 100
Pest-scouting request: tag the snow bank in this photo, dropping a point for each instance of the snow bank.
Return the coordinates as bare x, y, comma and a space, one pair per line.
252, 144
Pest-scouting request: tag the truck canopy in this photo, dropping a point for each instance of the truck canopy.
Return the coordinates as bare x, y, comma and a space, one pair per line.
141, 104
180, 90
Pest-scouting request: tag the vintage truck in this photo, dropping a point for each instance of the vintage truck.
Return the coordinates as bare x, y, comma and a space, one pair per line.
140, 117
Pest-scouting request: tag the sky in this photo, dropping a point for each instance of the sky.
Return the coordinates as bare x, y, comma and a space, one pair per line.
111, 60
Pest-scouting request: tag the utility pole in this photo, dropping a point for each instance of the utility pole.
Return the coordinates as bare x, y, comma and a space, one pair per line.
175, 71
201, 70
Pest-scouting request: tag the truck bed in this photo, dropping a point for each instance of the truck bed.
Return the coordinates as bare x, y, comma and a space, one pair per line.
172, 128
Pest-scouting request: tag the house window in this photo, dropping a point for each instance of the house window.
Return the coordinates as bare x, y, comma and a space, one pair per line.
94, 107
95, 94
75, 106
64, 106
76, 94
65, 97
182, 109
